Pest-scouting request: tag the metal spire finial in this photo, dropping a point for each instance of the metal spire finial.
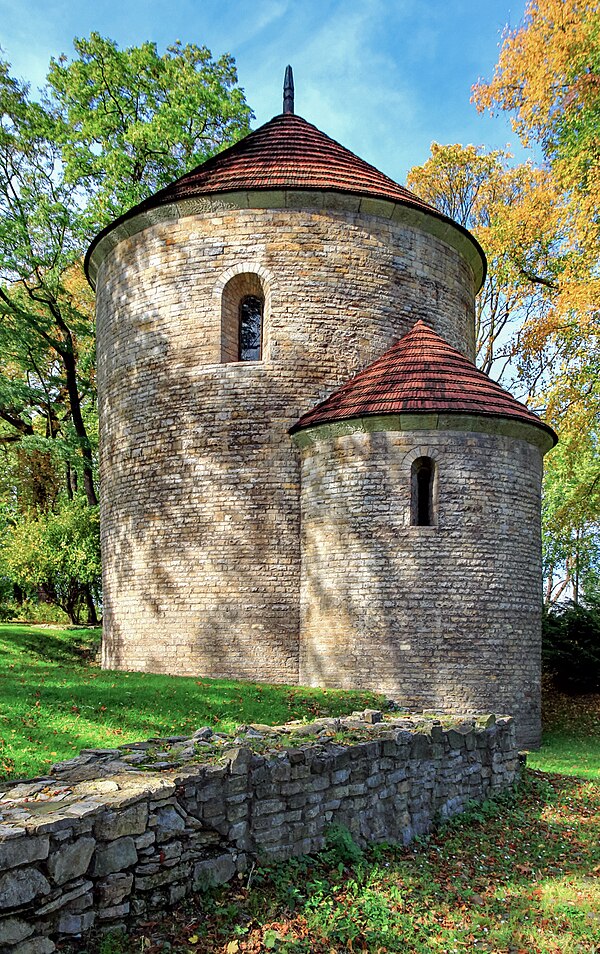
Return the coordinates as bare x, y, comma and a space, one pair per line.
288, 91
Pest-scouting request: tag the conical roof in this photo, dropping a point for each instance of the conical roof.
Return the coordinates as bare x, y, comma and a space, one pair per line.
285, 153
421, 374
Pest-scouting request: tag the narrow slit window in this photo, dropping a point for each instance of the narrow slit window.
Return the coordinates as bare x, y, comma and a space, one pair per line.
422, 480
251, 315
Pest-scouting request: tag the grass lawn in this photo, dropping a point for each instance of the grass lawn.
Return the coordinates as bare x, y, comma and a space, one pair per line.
571, 738
518, 875
54, 702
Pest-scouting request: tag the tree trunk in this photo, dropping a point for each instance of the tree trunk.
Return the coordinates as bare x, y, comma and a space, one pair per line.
68, 357
91, 607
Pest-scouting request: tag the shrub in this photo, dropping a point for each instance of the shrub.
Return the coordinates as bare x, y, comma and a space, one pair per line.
340, 846
571, 646
32, 611
57, 553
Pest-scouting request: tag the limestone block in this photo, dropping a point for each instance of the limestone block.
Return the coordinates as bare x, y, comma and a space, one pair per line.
161, 878
61, 898
128, 821
117, 911
21, 851
22, 886
114, 889
14, 929
214, 871
239, 761
167, 821
37, 945
145, 840
114, 856
71, 861
76, 923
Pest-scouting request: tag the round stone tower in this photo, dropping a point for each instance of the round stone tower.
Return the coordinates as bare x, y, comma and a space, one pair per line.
228, 305
421, 550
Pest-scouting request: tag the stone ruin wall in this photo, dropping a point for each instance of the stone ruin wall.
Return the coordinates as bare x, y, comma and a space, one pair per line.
200, 482
128, 844
445, 617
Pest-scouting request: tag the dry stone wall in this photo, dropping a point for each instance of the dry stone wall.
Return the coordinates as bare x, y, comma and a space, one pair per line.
200, 482
443, 617
118, 836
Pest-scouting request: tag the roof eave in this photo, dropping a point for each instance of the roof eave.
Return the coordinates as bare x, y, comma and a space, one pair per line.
155, 210
428, 419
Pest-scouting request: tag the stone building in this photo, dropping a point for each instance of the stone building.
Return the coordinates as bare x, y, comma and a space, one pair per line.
304, 477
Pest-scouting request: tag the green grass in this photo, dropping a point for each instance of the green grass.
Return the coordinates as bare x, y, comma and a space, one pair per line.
571, 737
54, 701
518, 875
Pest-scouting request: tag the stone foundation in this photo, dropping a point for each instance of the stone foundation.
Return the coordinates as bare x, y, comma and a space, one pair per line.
119, 835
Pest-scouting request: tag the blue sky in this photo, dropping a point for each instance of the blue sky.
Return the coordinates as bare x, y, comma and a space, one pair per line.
384, 77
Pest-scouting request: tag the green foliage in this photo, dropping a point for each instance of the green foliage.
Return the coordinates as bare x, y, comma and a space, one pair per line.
130, 121
59, 552
571, 517
341, 847
113, 944
571, 646
31, 611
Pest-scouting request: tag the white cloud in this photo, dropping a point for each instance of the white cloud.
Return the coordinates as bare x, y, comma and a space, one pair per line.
384, 77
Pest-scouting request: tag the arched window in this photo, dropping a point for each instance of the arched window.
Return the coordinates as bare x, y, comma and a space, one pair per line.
242, 318
423, 492
250, 340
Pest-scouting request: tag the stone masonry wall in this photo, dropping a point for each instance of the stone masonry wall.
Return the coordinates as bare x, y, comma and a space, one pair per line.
200, 482
108, 841
445, 617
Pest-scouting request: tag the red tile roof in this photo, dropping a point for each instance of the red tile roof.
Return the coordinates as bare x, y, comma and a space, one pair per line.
286, 153
421, 374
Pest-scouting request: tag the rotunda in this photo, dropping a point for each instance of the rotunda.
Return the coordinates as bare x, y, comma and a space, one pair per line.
303, 475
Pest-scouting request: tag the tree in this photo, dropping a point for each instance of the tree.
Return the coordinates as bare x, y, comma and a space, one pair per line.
130, 121
548, 78
60, 553
45, 309
512, 212
571, 517
571, 646
112, 126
